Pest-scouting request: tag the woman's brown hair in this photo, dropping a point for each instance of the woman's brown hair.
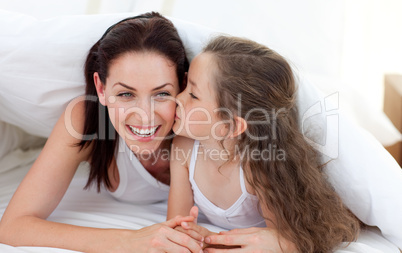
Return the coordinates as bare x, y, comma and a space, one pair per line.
257, 84
149, 32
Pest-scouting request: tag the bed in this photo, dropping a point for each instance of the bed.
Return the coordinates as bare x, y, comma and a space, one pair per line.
41, 71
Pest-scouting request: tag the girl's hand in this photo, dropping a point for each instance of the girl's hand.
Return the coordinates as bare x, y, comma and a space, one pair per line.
250, 240
192, 229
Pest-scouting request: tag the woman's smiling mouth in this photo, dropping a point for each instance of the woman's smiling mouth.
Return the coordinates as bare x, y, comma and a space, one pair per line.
144, 132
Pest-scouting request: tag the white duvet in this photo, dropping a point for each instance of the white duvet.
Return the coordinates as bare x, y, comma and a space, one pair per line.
88, 208
50, 54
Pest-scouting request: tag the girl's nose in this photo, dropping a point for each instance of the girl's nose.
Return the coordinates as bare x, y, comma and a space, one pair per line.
179, 101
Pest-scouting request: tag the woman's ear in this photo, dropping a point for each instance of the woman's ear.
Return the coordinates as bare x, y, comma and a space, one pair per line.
100, 89
241, 126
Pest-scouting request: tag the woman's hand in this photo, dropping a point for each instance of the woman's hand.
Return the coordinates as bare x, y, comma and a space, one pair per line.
161, 237
250, 240
192, 229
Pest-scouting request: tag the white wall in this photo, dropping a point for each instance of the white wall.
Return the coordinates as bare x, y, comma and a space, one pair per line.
348, 44
43, 9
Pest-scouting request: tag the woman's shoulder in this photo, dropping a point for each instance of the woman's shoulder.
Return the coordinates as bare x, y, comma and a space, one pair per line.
74, 116
70, 127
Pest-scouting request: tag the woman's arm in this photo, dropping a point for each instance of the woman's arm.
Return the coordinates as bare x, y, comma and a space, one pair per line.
43, 187
180, 193
24, 221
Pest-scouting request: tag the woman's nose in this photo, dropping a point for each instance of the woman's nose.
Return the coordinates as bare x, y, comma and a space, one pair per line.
142, 111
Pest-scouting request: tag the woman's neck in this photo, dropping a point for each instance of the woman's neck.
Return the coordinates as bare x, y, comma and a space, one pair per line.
157, 163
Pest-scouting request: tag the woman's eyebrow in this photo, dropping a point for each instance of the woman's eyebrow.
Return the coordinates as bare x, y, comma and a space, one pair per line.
125, 86
133, 89
162, 86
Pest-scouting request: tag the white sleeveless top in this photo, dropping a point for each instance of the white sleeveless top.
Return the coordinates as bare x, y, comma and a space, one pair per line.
136, 184
244, 213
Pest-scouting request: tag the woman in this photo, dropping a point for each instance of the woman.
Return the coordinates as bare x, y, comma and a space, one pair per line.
135, 69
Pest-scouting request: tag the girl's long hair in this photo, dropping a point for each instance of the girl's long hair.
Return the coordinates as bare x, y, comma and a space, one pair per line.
257, 84
149, 32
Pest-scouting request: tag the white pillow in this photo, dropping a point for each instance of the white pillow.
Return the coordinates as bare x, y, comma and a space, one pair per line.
41, 70
42, 62
13, 138
363, 173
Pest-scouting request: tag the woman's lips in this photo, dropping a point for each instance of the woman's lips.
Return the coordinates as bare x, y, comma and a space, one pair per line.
143, 133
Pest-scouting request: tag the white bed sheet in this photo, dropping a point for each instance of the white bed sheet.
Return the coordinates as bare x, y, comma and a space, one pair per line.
88, 208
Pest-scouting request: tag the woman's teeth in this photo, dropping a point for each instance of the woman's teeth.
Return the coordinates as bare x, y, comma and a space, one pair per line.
143, 132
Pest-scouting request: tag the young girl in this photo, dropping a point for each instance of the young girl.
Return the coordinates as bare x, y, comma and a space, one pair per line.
249, 165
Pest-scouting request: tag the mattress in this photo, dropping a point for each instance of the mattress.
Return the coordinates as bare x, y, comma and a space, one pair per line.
89, 208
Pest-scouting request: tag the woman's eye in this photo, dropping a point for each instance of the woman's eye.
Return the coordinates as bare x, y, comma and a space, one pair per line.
192, 95
163, 94
125, 95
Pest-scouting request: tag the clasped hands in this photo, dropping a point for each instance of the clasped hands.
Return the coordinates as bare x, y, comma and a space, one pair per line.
237, 240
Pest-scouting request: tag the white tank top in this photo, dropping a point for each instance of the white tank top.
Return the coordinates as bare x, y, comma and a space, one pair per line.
136, 184
244, 213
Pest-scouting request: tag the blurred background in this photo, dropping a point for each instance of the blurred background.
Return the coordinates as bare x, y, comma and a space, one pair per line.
344, 46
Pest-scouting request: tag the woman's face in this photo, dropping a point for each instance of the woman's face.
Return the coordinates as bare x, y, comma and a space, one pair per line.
140, 93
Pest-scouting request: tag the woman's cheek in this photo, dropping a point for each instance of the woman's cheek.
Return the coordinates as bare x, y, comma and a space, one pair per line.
167, 111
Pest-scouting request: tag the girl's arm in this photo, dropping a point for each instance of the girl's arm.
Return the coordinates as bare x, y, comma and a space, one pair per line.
180, 194
181, 199
24, 221
253, 239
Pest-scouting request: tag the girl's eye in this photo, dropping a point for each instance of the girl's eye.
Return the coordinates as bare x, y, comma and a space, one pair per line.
192, 95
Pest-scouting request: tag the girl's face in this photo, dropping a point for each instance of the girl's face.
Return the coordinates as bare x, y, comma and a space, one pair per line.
196, 113
140, 93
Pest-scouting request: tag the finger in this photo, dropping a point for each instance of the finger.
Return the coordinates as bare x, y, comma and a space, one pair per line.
216, 250
194, 213
176, 221
190, 225
184, 240
193, 234
173, 248
193, 226
230, 240
241, 231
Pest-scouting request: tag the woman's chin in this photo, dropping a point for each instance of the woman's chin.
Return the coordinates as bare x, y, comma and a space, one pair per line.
143, 148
